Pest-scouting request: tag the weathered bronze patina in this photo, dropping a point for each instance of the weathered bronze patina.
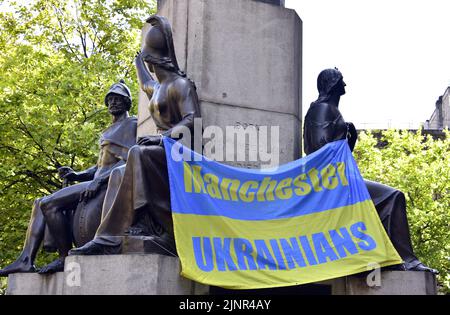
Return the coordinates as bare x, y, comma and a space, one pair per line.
72, 214
144, 188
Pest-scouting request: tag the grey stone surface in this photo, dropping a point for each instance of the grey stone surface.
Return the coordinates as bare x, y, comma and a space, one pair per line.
130, 275
138, 274
235, 117
273, 2
133, 244
141, 245
35, 284
243, 55
155, 274
246, 54
391, 283
396, 283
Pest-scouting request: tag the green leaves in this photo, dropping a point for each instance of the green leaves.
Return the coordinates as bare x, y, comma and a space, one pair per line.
420, 167
57, 62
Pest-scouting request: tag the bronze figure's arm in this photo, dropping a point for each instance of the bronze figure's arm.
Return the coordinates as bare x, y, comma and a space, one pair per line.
70, 175
146, 80
352, 135
97, 182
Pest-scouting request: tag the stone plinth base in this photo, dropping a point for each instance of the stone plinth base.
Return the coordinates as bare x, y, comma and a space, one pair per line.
142, 245
139, 274
35, 284
147, 274
389, 283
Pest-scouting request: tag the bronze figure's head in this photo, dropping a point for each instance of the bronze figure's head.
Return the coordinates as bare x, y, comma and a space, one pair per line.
158, 47
329, 82
118, 99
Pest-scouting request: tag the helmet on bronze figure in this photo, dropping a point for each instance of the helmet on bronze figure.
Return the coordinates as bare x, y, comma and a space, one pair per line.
119, 88
158, 46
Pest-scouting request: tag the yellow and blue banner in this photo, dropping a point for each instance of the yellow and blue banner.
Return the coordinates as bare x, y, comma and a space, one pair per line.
305, 221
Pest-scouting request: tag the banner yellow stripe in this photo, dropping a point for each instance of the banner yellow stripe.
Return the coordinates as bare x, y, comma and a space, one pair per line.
260, 234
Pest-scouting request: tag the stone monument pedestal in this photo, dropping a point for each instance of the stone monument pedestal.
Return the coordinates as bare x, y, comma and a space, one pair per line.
149, 274
390, 283
245, 58
134, 274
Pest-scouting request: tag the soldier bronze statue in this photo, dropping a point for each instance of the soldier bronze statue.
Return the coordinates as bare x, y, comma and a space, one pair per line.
73, 213
323, 124
145, 184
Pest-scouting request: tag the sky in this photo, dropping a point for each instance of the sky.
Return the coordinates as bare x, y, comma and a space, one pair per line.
394, 55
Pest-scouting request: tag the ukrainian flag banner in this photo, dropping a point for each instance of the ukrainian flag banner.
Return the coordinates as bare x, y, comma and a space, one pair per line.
305, 221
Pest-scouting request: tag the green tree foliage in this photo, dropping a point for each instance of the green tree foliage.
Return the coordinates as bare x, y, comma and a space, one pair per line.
57, 61
420, 167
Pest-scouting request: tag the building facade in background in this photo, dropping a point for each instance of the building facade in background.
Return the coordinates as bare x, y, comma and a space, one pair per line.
440, 119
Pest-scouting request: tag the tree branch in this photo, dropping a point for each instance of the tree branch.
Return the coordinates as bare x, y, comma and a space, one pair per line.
29, 134
61, 28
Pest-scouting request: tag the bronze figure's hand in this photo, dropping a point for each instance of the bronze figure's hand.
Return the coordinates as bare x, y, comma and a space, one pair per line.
351, 129
67, 173
352, 135
150, 140
91, 190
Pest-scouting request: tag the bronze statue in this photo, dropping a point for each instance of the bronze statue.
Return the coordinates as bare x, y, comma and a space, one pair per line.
145, 185
323, 124
80, 203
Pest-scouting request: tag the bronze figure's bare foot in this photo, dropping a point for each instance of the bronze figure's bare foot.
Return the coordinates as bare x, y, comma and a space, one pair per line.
19, 266
411, 267
422, 267
55, 266
92, 248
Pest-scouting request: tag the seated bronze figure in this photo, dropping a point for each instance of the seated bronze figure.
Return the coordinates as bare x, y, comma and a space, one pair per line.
323, 124
73, 213
144, 188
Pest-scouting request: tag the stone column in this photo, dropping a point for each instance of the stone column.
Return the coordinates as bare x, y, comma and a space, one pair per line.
245, 57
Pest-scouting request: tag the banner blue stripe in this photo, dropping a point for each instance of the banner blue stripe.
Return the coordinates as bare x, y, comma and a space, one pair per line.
202, 203
256, 215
